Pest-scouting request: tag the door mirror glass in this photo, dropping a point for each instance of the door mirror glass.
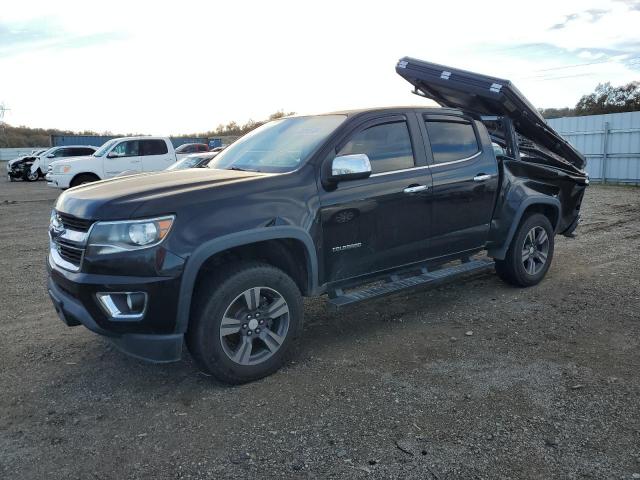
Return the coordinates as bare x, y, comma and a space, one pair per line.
350, 167
51, 155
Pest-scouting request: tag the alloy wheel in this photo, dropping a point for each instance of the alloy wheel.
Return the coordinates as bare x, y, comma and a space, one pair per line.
254, 326
535, 250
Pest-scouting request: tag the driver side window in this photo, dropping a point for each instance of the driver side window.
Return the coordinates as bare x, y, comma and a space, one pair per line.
388, 146
126, 149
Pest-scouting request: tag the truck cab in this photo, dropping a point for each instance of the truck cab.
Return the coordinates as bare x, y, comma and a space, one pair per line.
117, 156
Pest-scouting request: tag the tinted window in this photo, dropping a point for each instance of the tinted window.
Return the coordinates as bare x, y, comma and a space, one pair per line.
203, 148
451, 141
153, 147
76, 152
129, 148
388, 147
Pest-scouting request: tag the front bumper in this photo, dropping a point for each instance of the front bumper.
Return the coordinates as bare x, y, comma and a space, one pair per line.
58, 180
74, 299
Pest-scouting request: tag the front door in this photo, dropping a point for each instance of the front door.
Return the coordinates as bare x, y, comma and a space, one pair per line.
465, 182
383, 221
124, 157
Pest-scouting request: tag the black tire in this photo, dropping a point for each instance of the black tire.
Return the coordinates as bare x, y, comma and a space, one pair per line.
516, 268
83, 178
219, 293
31, 177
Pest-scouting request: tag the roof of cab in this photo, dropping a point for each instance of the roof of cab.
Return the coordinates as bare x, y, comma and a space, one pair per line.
399, 108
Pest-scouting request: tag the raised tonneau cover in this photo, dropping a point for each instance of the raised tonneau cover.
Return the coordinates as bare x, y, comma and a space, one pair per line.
485, 95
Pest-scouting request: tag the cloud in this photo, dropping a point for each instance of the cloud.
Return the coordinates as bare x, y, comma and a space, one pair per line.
43, 34
631, 4
591, 15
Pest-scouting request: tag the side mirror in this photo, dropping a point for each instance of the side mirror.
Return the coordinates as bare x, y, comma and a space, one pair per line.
350, 167
113, 154
51, 155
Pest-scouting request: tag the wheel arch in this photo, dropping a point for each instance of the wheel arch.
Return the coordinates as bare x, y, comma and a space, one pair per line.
197, 262
548, 206
88, 174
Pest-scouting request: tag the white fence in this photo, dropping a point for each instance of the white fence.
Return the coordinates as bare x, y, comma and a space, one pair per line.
11, 153
610, 142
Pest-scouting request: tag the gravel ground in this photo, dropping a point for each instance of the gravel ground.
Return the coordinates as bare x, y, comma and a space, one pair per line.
471, 380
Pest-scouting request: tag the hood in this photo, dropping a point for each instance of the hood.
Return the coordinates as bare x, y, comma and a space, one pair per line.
72, 160
485, 95
16, 161
120, 198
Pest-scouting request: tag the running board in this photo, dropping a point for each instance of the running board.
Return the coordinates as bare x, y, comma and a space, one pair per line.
339, 299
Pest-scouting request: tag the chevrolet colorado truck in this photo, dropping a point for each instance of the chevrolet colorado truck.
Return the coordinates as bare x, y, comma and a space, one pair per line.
354, 205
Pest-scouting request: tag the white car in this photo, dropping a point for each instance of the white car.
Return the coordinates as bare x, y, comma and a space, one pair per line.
41, 163
127, 154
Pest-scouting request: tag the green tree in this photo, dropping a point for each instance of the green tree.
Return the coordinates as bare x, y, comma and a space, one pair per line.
609, 99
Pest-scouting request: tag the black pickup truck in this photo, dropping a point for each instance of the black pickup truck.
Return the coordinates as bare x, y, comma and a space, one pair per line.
353, 204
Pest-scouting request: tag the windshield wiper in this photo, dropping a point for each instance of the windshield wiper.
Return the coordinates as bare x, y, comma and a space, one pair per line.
240, 169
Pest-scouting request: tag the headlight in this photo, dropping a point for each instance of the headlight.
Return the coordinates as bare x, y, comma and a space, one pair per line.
61, 168
111, 237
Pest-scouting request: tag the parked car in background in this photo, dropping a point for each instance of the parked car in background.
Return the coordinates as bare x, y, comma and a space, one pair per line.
195, 160
15, 166
189, 148
32, 167
127, 154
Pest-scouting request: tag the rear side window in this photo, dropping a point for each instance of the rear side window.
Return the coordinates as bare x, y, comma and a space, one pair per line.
388, 147
154, 147
76, 152
451, 141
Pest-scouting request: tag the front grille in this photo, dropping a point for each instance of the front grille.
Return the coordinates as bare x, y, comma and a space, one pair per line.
71, 254
75, 223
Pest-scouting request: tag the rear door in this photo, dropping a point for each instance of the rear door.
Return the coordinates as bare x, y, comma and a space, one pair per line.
124, 157
155, 155
465, 183
383, 221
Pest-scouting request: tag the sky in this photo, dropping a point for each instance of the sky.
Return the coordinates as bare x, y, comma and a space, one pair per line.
185, 67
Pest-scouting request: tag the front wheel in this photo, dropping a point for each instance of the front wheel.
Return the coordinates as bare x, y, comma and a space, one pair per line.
30, 176
530, 253
83, 179
246, 319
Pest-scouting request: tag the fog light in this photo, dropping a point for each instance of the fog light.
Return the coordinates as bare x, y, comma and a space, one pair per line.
123, 306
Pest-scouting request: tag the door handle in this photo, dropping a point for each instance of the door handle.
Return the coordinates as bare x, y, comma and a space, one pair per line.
482, 178
135, 161
417, 188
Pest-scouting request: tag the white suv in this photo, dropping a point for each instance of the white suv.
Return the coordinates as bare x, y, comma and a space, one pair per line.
128, 154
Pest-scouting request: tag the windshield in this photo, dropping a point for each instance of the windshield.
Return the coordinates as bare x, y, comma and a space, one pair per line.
104, 148
278, 147
47, 152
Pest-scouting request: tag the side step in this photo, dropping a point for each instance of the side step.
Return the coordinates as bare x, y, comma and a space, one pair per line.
339, 299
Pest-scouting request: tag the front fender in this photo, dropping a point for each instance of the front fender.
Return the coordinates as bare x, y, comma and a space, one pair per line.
36, 165
246, 237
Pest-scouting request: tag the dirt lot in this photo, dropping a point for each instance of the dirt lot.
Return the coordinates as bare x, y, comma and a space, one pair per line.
546, 386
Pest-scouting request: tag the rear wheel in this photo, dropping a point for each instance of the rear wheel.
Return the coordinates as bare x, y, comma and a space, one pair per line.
530, 253
83, 178
246, 319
